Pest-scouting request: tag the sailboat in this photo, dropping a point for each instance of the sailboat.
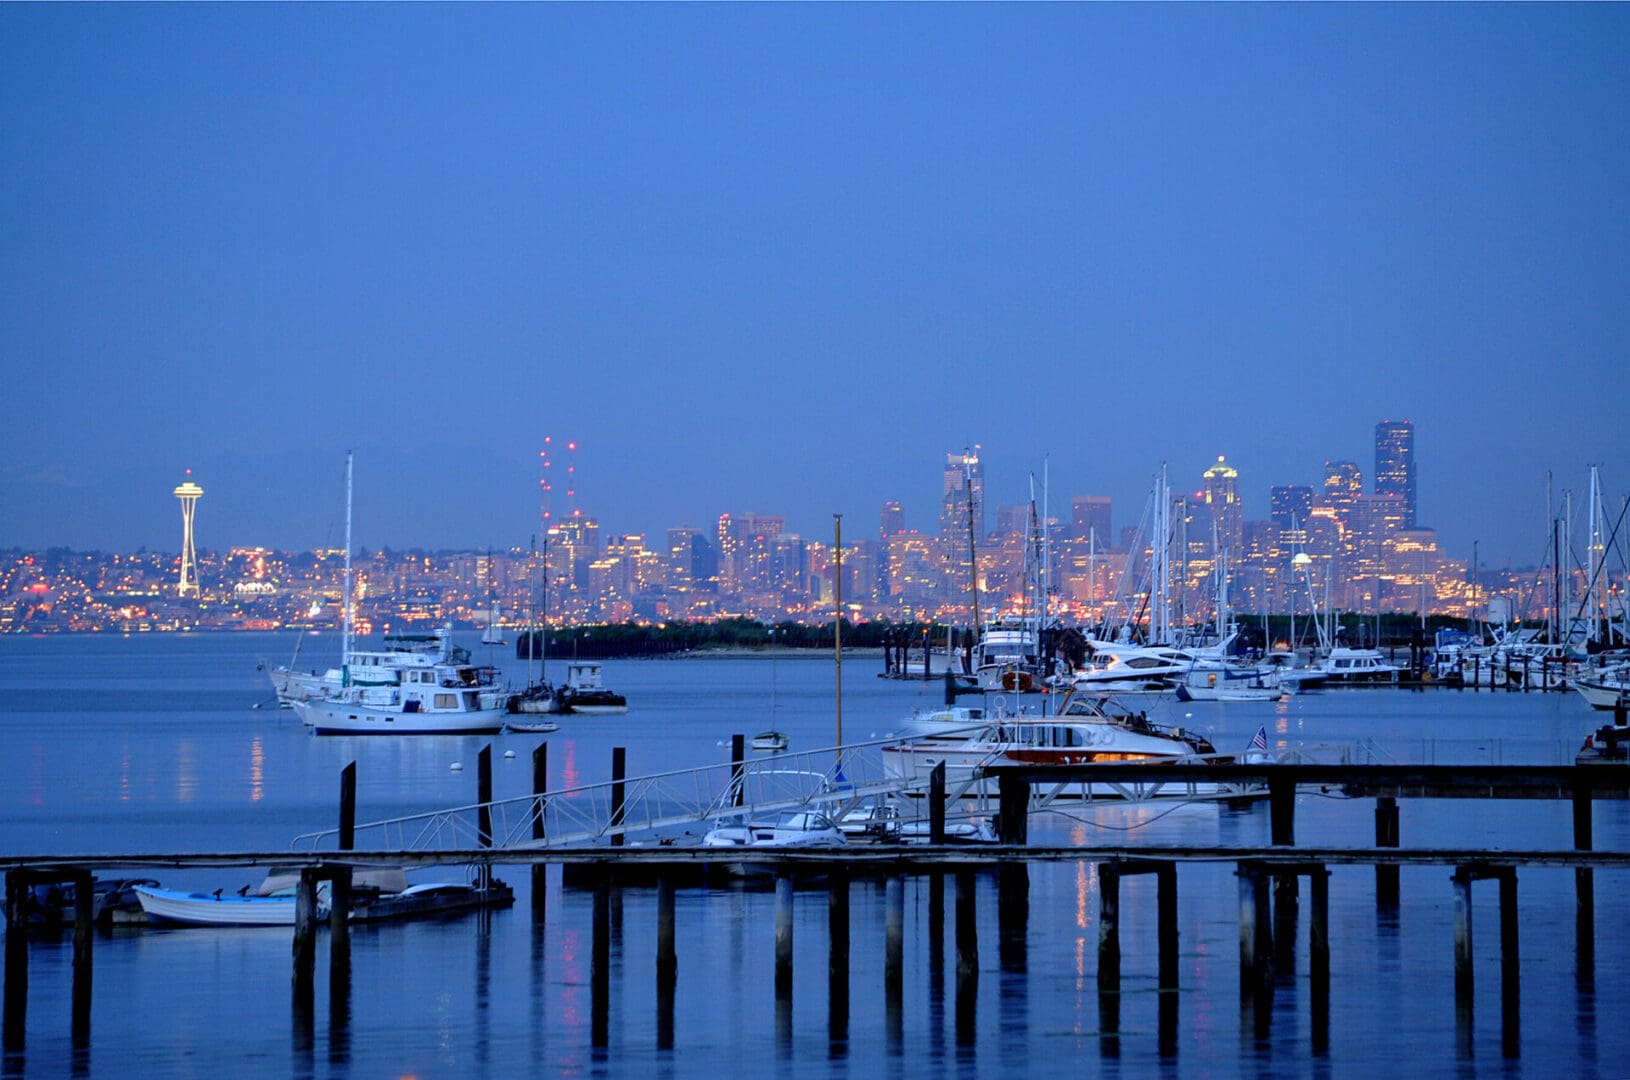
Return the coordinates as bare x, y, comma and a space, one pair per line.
439, 699
494, 633
539, 698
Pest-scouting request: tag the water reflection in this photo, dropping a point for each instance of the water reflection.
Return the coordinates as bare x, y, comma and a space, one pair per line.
257, 770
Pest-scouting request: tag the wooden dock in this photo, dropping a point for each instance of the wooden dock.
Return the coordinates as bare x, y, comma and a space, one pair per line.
1269, 889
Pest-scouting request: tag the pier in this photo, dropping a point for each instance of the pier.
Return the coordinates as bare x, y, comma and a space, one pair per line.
1268, 895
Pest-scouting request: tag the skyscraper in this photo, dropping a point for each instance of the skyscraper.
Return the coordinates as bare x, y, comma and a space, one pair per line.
1089, 518
964, 479
892, 520
1395, 464
1222, 498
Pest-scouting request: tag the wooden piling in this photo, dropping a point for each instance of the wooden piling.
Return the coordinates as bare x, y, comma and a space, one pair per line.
1386, 835
837, 966
540, 789
305, 940
1109, 929
783, 935
1510, 966
936, 804
1318, 958
738, 769
1166, 908
667, 963
16, 993
619, 770
1282, 811
84, 935
1013, 809
1255, 935
967, 959
1464, 971
483, 796
894, 920
600, 964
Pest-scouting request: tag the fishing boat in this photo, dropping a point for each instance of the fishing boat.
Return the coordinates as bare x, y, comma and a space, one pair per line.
442, 700
585, 693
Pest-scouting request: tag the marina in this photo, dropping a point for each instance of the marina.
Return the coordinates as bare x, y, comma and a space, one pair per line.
577, 970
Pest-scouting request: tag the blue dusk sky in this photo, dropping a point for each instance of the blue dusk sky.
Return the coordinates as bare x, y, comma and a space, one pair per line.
782, 258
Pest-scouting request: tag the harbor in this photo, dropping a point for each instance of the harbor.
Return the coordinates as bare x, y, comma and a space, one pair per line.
962, 955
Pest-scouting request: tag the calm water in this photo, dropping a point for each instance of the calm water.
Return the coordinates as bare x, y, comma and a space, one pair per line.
111, 745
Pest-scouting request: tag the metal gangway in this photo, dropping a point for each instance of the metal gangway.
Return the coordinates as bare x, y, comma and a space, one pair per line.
834, 780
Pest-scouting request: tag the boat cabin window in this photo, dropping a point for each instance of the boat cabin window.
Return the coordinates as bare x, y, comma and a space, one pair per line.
446, 701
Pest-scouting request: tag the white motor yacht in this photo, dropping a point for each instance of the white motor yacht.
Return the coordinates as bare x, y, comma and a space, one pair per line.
368, 667
1086, 731
442, 700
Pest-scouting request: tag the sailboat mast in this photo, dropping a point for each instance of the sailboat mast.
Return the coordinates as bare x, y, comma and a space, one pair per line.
973, 555
345, 612
837, 622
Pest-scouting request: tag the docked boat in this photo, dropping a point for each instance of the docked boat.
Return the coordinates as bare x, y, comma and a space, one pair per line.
1357, 667
1086, 731
585, 693
790, 831
176, 908
1008, 657
443, 700
1606, 689
539, 699
1228, 683
367, 667
1130, 669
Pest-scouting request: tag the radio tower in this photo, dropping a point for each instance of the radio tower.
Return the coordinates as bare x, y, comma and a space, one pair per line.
545, 487
571, 481
189, 493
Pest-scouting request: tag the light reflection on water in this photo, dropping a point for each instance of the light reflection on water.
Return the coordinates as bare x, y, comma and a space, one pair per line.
499, 996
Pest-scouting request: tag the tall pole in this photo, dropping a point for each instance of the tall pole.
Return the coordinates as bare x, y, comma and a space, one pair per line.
345, 637
837, 623
973, 556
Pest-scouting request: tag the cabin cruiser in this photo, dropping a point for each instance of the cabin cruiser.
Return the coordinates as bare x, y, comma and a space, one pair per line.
1357, 667
1086, 731
446, 699
368, 667
1231, 683
1123, 669
1009, 657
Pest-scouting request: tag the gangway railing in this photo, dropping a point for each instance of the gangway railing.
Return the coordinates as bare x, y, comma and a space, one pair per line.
834, 780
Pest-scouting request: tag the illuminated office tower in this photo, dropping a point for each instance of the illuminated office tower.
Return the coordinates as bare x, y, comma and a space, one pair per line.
964, 479
1292, 505
189, 493
1090, 519
1222, 498
1395, 463
892, 520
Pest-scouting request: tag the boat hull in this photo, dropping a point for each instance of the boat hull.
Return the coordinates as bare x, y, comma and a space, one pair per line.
174, 908
348, 719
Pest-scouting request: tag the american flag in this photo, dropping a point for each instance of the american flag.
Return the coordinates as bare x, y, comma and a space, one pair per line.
1259, 741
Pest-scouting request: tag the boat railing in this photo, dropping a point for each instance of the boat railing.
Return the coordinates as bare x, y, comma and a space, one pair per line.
833, 780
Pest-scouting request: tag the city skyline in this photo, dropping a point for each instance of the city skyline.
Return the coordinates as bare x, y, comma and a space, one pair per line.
782, 259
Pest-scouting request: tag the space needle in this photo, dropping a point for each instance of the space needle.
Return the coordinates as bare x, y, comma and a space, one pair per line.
189, 493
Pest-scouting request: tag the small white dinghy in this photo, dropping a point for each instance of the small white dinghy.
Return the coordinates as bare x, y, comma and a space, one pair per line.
173, 907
